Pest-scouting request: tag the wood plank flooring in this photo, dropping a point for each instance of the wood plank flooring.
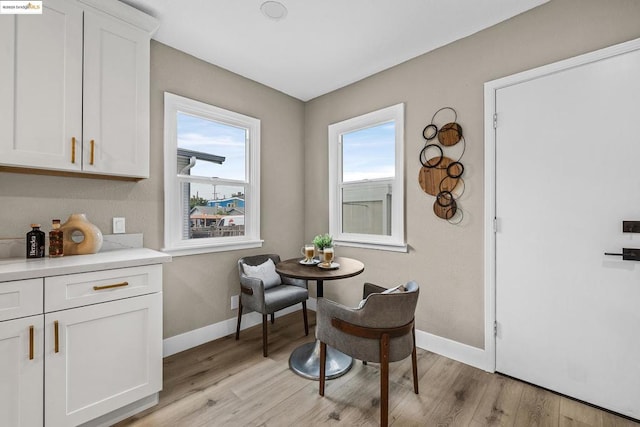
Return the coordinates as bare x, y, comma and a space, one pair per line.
228, 383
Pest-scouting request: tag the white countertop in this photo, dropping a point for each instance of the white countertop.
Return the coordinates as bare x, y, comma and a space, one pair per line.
21, 268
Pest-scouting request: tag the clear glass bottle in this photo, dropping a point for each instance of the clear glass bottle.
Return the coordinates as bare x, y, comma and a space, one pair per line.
56, 242
35, 242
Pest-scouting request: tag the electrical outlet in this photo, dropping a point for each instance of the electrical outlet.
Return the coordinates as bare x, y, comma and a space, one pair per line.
234, 302
118, 225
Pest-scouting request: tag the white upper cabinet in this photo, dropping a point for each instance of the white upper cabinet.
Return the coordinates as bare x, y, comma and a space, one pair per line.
41, 87
74, 88
116, 97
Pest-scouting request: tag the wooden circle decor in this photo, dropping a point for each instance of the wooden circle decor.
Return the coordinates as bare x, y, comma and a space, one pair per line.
435, 179
441, 176
445, 212
450, 134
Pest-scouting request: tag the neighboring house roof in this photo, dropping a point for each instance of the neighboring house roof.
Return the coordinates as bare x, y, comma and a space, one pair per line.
234, 211
204, 210
183, 152
227, 200
208, 212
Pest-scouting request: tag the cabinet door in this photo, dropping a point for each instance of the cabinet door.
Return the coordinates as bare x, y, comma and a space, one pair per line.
41, 88
116, 97
108, 355
21, 372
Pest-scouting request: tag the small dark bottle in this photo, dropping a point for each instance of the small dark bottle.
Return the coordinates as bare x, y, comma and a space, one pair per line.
35, 242
55, 240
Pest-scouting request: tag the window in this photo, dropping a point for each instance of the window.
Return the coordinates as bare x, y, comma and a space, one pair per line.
212, 188
366, 180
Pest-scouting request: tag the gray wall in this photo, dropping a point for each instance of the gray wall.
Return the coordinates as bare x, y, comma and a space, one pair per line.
447, 260
197, 289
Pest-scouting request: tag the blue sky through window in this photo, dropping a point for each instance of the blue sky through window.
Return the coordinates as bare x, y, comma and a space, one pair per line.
369, 153
208, 136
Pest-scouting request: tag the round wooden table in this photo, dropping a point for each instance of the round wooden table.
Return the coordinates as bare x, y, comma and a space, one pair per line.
305, 360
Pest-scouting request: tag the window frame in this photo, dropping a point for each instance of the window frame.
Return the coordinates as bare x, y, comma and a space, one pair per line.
173, 216
396, 241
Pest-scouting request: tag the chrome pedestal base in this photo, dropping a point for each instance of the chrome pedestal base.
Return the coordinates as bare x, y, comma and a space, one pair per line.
305, 361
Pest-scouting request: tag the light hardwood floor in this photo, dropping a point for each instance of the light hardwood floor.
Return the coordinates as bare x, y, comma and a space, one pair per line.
229, 383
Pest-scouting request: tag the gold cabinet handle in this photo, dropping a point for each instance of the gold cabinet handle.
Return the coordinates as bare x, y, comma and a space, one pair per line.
93, 144
115, 285
56, 341
31, 342
73, 149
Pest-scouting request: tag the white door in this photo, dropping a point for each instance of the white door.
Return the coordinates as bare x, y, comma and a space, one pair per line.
567, 175
21, 371
41, 88
108, 355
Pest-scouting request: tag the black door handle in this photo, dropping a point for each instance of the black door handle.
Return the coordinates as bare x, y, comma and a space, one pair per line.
628, 254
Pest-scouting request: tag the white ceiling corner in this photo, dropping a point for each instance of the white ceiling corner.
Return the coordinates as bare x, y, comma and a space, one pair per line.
324, 45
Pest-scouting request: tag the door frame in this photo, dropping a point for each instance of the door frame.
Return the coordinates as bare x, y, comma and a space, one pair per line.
491, 223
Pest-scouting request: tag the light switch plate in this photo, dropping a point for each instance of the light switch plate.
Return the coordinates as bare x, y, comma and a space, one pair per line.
118, 225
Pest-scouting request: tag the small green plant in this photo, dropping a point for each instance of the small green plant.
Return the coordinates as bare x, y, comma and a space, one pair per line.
322, 241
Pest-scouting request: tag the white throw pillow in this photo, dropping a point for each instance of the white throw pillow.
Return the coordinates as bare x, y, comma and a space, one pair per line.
265, 272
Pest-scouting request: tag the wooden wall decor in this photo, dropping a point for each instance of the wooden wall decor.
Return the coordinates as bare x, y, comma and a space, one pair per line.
441, 176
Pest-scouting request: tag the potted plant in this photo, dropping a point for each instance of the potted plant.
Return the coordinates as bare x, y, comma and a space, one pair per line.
322, 241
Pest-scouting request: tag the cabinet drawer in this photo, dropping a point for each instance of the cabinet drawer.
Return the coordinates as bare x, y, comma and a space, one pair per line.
75, 290
20, 298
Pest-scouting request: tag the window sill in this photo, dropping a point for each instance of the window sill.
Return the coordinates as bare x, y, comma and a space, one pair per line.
392, 247
205, 249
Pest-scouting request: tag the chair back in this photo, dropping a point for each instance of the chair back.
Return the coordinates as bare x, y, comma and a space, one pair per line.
390, 310
379, 311
256, 260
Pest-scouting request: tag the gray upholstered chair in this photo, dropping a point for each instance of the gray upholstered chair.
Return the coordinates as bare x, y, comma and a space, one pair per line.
264, 291
380, 330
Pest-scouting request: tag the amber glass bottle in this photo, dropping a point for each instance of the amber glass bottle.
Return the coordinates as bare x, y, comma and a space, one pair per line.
55, 240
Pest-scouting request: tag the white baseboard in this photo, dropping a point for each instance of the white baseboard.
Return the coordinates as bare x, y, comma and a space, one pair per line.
464, 353
187, 340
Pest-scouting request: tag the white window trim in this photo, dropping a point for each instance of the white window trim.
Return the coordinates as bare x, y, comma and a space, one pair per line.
173, 242
396, 241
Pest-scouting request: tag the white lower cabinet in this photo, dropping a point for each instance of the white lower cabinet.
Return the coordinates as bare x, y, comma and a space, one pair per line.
80, 348
21, 372
105, 357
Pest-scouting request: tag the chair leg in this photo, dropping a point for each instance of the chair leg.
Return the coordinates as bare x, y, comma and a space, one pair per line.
273, 318
239, 319
384, 381
323, 367
264, 335
414, 362
304, 314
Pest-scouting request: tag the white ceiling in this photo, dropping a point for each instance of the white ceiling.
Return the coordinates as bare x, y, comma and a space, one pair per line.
321, 45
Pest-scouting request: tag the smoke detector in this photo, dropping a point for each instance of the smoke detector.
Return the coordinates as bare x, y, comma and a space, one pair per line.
274, 10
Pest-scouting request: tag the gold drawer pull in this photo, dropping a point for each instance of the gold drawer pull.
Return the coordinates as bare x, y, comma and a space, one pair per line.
31, 342
56, 346
93, 144
73, 149
116, 285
